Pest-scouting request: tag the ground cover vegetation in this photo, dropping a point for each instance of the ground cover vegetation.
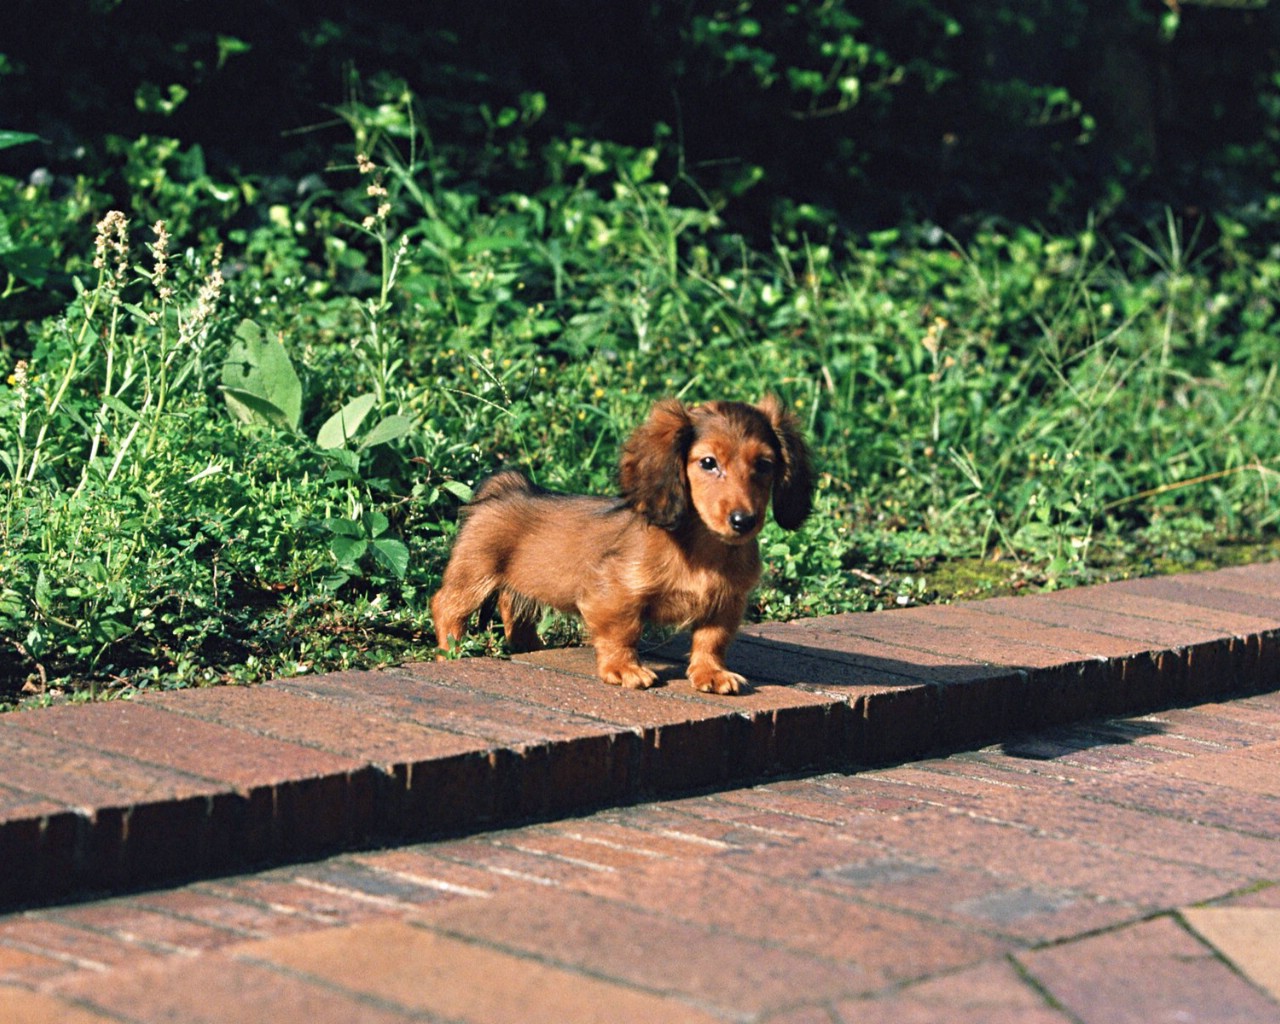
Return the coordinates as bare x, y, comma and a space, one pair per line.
278, 286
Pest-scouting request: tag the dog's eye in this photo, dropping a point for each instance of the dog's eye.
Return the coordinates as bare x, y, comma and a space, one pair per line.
764, 466
708, 462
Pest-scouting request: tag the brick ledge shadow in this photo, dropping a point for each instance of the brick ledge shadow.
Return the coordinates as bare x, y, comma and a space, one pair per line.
174, 786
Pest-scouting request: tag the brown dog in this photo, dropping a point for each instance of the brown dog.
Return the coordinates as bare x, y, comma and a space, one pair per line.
678, 548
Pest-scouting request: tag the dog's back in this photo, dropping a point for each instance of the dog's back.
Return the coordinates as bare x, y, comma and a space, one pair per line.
518, 536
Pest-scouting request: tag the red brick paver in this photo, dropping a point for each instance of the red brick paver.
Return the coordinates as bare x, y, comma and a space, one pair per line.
1167, 974
1030, 882
185, 784
1086, 868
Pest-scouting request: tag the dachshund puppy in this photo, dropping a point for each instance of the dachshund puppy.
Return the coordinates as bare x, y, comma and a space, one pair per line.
677, 548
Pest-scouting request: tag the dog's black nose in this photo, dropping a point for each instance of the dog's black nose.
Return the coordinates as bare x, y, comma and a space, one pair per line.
740, 521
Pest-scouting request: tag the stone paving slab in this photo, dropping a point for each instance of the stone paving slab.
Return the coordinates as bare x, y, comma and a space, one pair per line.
1029, 882
1249, 937
168, 786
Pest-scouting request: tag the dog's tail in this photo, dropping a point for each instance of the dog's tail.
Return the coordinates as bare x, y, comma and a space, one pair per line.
502, 485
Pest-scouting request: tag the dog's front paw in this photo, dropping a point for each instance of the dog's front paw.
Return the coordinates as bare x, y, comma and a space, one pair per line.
717, 680
633, 677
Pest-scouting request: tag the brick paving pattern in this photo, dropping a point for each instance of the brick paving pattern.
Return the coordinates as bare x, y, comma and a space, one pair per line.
859, 851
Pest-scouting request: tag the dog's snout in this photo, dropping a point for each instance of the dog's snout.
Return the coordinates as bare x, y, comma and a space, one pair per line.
741, 521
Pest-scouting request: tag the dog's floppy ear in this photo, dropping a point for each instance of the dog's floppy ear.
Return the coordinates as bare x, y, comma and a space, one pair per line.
793, 484
652, 468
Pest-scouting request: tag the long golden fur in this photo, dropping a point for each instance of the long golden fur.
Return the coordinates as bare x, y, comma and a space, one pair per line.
678, 547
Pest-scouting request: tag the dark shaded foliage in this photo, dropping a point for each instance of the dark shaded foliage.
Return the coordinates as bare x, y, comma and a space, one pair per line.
791, 114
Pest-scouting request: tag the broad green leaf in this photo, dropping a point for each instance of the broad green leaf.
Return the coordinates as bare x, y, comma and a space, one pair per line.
341, 427
348, 550
387, 429
260, 368
11, 604
344, 527
43, 596
110, 630
458, 489
30, 263
250, 408
344, 464
392, 555
335, 581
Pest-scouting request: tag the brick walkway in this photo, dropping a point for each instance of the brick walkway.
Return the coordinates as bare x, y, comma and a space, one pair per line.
1115, 859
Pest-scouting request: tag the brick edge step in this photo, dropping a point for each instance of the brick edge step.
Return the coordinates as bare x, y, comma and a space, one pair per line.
173, 786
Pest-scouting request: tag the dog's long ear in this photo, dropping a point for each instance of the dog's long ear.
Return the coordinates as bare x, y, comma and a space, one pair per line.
793, 484
652, 470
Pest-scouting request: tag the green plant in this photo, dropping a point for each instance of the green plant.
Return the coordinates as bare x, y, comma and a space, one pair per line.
87, 422
221, 465
134, 359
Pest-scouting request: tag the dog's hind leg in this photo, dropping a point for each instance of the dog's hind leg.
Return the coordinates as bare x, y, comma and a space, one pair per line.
454, 603
519, 621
